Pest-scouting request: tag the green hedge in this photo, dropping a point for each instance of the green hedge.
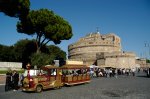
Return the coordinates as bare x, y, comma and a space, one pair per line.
5, 71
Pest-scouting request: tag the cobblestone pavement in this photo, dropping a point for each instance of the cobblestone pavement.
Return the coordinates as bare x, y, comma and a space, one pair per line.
123, 87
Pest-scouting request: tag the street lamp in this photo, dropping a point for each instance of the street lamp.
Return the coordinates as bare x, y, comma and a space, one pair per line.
147, 53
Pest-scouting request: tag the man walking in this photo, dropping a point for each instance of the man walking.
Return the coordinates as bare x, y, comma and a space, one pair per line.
15, 81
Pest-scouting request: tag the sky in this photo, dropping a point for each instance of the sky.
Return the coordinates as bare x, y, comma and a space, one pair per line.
129, 19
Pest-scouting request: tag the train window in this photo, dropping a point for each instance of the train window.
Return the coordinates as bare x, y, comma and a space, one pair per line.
45, 72
53, 72
65, 72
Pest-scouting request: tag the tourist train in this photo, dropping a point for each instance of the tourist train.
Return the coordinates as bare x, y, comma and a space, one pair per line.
55, 77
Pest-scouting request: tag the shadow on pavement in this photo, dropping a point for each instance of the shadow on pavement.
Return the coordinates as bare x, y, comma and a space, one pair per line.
143, 76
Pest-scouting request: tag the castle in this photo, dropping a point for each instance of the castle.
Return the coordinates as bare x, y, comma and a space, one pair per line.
101, 50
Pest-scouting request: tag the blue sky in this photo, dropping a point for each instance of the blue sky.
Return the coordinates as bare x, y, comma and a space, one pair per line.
129, 19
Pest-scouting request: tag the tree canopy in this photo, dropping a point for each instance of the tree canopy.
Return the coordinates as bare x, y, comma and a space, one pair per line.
6, 53
15, 8
57, 52
46, 25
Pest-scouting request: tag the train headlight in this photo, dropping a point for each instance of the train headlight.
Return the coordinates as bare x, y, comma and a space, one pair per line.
31, 80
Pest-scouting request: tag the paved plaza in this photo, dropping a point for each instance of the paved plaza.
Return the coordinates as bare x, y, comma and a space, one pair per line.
123, 87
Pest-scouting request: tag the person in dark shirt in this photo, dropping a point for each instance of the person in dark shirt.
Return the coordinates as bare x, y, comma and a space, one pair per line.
8, 83
15, 77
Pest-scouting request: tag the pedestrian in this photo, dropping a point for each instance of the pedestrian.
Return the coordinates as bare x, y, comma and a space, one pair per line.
21, 79
127, 71
116, 73
133, 71
110, 72
91, 73
15, 80
138, 70
8, 83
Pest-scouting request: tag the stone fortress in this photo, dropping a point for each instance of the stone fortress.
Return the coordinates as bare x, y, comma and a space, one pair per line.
101, 50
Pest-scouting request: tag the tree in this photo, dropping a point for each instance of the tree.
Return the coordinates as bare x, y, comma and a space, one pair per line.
46, 25
41, 59
23, 49
15, 8
57, 52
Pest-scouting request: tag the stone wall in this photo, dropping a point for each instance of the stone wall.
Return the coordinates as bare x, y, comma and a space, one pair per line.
117, 60
11, 65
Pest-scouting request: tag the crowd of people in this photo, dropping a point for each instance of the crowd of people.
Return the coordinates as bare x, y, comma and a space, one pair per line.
12, 80
111, 72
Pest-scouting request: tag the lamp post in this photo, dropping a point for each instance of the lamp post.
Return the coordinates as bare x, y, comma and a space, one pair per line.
147, 53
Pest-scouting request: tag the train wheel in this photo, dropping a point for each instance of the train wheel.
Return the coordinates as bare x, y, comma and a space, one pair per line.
39, 88
60, 87
56, 87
